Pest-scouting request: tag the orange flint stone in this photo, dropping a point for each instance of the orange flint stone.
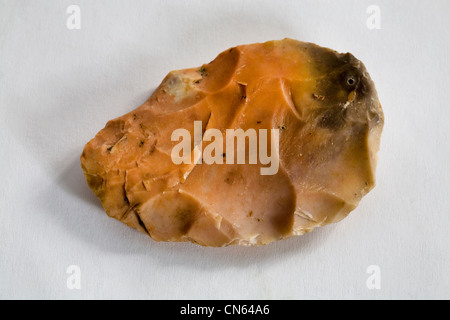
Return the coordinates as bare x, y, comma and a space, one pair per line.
329, 121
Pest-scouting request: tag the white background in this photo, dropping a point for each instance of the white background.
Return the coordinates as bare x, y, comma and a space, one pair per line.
59, 87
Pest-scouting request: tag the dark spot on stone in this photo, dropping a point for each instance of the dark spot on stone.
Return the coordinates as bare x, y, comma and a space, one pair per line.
185, 218
350, 79
95, 182
233, 176
203, 72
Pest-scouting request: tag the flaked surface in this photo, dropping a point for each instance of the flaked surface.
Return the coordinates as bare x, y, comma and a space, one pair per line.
329, 119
